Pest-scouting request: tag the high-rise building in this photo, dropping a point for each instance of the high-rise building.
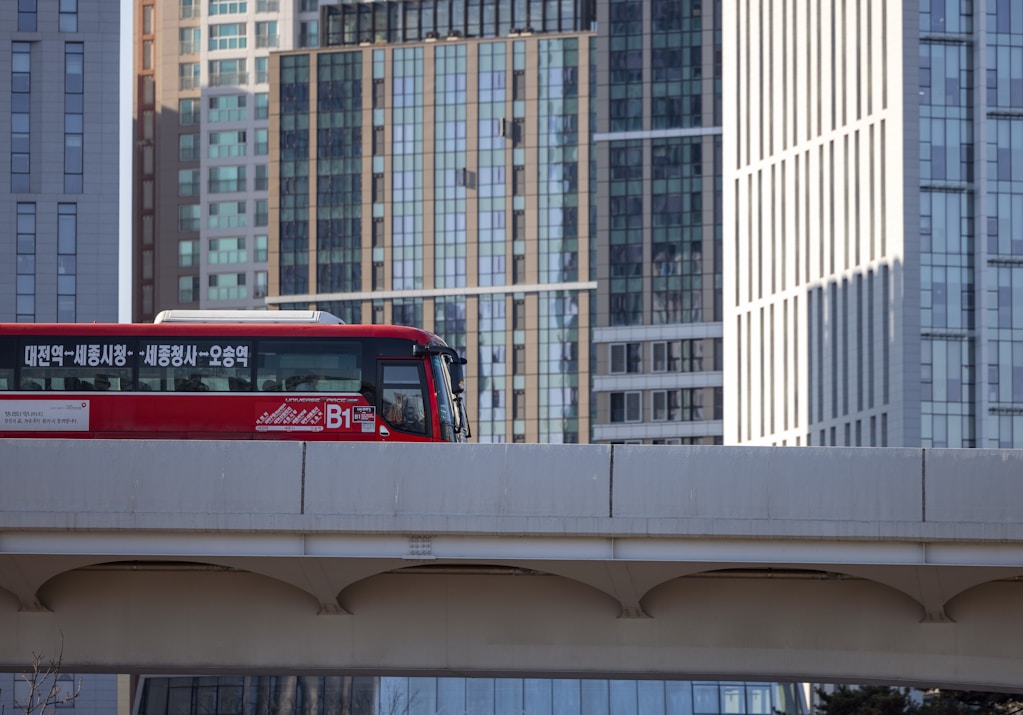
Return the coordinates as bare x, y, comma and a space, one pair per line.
201, 147
59, 126
657, 336
431, 165
874, 241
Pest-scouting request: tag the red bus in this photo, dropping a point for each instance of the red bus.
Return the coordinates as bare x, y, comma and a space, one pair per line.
299, 375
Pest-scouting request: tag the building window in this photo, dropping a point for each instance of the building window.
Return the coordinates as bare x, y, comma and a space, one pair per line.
227, 73
262, 142
227, 286
26, 263
261, 181
188, 147
188, 9
188, 75
262, 255
259, 290
189, 112
149, 91
188, 253
227, 214
677, 405
21, 84
659, 406
227, 36
67, 260
227, 250
74, 113
27, 16
518, 359
309, 34
262, 105
266, 34
188, 182
626, 406
188, 289
188, 217
626, 358
148, 155
262, 212
228, 108
519, 405
227, 144
262, 70
68, 18
228, 7
678, 356
188, 40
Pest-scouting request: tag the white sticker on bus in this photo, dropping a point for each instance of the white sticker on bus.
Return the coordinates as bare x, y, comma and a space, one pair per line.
315, 414
299, 415
344, 416
44, 415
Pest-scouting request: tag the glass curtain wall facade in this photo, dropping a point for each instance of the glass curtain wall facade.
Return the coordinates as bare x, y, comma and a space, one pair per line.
874, 191
658, 319
367, 695
59, 188
351, 22
437, 184
201, 202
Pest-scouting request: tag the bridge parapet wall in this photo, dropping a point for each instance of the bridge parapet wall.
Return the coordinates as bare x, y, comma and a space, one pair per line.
513, 489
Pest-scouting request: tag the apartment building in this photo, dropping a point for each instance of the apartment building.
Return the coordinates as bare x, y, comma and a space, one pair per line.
201, 154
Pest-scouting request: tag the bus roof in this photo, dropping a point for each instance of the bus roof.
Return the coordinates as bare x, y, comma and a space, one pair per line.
250, 329
249, 317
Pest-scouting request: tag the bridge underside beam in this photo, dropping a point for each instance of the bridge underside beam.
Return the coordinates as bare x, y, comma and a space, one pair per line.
728, 625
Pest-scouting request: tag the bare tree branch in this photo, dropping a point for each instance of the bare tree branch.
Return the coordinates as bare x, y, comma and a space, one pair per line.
45, 690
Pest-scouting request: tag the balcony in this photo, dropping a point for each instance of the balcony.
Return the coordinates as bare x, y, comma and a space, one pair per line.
228, 79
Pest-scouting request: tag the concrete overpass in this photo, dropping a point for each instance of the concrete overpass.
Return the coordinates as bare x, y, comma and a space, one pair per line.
889, 565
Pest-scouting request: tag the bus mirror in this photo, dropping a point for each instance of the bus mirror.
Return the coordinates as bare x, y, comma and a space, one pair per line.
457, 376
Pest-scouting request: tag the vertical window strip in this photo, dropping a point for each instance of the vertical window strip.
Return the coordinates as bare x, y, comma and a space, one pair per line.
74, 108
21, 120
26, 258
67, 262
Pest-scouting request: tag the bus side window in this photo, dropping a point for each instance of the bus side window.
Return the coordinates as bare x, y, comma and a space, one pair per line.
403, 404
32, 380
6, 379
190, 382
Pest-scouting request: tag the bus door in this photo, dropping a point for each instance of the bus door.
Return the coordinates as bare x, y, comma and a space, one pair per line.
404, 405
